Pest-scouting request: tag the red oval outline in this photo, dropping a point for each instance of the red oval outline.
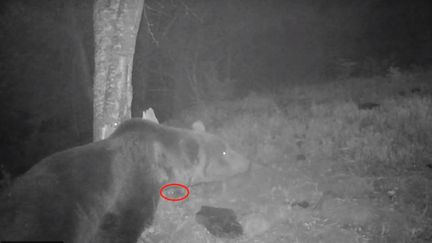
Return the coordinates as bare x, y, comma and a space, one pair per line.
174, 199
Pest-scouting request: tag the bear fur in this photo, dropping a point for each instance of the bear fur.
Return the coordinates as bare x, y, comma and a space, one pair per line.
108, 191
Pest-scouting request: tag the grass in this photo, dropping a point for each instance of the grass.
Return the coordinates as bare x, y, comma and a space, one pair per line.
362, 175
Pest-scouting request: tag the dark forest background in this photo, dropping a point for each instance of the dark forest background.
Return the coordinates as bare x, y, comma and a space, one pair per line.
189, 53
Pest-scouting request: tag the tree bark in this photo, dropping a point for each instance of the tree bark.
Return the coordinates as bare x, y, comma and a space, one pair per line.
116, 25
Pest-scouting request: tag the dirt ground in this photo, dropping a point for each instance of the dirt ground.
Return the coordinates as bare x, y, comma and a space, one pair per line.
325, 167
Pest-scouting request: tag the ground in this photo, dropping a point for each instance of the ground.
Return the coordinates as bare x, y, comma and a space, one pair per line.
325, 168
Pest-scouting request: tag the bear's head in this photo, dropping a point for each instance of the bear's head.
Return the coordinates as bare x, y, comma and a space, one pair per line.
196, 156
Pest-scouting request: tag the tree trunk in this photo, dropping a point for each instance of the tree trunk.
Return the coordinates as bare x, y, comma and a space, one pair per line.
116, 25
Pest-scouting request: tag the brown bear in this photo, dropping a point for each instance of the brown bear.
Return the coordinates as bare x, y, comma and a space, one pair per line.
108, 191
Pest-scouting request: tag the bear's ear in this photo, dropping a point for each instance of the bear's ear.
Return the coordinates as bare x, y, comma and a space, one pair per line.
190, 147
150, 115
198, 126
